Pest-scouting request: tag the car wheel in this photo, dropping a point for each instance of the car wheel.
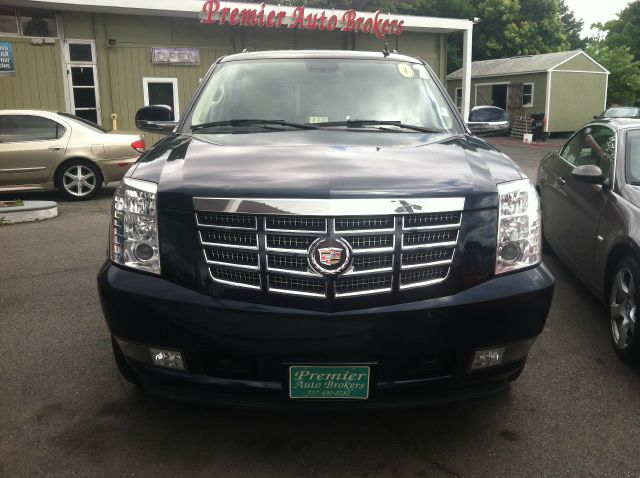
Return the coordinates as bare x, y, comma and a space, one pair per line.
78, 179
126, 372
623, 301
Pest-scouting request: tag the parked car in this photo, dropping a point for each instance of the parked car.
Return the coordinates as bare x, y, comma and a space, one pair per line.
590, 192
42, 150
620, 112
319, 225
489, 121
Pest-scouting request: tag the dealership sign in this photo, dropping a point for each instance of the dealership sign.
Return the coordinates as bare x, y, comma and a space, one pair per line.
380, 25
7, 67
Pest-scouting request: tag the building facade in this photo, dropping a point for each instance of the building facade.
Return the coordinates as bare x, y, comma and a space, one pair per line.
102, 60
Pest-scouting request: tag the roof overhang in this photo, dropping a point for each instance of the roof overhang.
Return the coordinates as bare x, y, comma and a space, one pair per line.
192, 9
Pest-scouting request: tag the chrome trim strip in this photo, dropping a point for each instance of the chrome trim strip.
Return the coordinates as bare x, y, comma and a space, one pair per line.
429, 246
227, 246
432, 228
294, 231
366, 231
234, 284
232, 265
329, 207
296, 292
239, 228
374, 250
424, 283
288, 251
352, 272
294, 272
425, 265
363, 292
390, 248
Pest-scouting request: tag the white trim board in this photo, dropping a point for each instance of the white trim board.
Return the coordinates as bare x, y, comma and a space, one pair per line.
173, 81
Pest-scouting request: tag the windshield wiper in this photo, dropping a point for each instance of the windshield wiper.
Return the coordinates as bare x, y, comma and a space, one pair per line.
251, 122
356, 123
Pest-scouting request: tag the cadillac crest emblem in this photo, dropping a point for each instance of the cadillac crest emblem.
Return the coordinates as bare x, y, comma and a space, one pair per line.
329, 256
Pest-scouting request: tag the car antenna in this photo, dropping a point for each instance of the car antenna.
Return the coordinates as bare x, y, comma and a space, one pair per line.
244, 50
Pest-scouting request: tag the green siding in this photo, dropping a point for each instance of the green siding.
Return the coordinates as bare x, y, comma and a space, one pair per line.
575, 99
579, 63
37, 83
483, 96
122, 67
78, 25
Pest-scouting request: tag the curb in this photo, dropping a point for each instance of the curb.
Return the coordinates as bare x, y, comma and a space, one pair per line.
30, 211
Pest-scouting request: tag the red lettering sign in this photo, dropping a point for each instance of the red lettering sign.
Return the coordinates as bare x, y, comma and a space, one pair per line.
351, 21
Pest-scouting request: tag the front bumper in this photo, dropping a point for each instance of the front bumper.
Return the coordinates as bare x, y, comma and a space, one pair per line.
239, 353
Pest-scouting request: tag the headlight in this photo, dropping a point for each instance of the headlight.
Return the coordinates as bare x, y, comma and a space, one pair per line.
134, 226
519, 231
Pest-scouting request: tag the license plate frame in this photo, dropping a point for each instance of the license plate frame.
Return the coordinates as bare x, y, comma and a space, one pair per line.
329, 382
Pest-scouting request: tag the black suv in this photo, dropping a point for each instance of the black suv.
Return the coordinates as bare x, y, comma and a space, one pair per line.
321, 227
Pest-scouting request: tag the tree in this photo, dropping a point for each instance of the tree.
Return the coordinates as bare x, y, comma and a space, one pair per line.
625, 30
572, 27
517, 27
624, 80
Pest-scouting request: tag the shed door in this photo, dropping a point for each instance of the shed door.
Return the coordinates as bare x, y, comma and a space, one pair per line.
514, 101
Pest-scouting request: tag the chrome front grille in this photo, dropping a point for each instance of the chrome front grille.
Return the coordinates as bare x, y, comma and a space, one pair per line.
270, 253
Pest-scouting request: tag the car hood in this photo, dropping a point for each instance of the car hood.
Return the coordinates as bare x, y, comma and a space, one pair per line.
325, 164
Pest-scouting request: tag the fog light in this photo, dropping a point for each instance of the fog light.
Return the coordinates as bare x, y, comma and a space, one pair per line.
143, 251
487, 358
510, 251
167, 358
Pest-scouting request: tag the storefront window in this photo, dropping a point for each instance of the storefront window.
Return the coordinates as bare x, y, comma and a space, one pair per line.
38, 23
26, 22
8, 21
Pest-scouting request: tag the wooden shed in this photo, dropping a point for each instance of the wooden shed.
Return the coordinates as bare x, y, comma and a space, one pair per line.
570, 87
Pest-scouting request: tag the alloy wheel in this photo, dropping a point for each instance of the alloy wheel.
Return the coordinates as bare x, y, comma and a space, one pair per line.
623, 307
79, 180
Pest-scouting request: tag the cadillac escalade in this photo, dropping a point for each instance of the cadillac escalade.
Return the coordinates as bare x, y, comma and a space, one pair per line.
321, 229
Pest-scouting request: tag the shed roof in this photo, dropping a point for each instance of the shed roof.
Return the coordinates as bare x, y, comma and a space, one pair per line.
521, 64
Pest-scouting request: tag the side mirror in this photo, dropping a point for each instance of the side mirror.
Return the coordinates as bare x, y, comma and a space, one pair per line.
156, 119
589, 174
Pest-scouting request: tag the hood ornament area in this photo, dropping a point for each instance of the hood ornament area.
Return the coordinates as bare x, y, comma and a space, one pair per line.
329, 256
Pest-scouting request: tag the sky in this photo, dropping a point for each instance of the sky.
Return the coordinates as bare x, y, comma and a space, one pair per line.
593, 11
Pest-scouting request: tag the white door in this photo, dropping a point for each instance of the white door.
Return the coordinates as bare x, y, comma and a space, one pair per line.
82, 79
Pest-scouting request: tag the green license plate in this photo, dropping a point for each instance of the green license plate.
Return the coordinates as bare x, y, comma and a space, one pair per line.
337, 382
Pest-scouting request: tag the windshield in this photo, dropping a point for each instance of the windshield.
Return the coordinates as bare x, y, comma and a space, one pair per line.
622, 112
312, 91
488, 115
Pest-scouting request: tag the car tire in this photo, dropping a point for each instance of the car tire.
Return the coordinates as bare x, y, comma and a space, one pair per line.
126, 371
78, 179
623, 298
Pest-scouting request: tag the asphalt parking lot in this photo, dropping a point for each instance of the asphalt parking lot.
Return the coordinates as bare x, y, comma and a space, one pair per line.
64, 412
